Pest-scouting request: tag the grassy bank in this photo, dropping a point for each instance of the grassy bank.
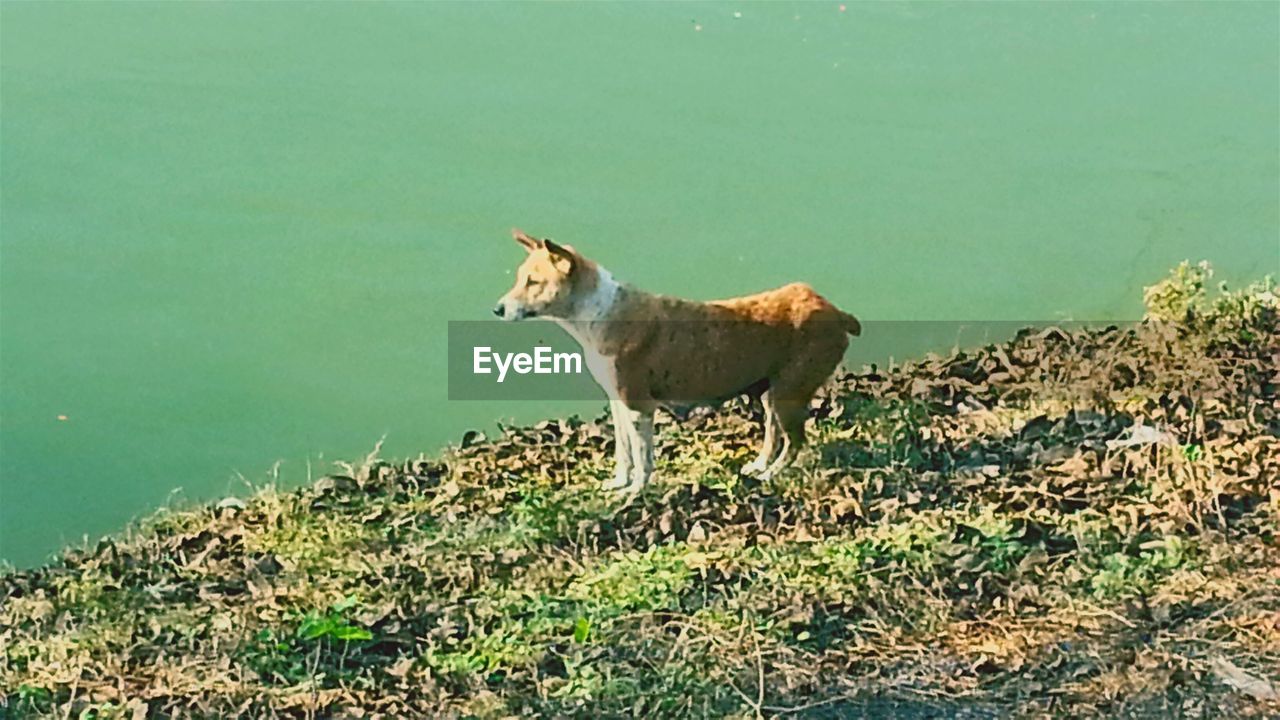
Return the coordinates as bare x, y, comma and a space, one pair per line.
1078, 522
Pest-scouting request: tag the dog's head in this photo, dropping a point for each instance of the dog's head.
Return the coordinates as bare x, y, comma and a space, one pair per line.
544, 281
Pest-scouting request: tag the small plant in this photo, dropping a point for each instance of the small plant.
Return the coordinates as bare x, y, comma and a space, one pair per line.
1178, 297
33, 697
333, 624
275, 658
1231, 316
290, 658
999, 544
636, 581
1122, 574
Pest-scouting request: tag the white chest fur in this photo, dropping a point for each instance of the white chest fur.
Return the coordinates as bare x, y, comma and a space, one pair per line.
586, 325
633, 430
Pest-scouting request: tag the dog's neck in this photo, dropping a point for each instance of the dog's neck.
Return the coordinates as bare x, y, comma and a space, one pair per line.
599, 295
599, 298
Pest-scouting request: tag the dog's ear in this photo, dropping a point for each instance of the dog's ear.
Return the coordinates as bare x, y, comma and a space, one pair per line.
530, 243
562, 257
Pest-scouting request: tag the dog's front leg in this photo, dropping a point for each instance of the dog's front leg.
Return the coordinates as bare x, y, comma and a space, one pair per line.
762, 461
622, 434
641, 449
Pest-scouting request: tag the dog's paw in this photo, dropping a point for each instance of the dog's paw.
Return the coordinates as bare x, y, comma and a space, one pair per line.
631, 491
637, 483
618, 482
753, 468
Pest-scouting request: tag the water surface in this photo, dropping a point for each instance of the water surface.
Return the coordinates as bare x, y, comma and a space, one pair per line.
232, 234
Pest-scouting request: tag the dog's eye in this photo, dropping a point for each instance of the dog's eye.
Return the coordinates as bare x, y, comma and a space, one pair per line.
532, 282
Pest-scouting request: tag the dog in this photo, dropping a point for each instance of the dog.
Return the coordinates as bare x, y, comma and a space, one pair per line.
648, 351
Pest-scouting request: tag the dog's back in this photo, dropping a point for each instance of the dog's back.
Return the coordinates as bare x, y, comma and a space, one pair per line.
679, 352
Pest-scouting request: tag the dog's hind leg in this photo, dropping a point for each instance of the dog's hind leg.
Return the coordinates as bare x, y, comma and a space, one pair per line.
623, 432
790, 415
757, 466
795, 385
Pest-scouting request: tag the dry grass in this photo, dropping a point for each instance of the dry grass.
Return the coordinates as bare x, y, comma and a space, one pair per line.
969, 536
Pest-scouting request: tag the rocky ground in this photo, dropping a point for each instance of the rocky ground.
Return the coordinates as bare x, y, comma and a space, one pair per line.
1074, 523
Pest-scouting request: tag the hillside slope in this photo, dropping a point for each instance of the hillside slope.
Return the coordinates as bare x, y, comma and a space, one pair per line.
1072, 522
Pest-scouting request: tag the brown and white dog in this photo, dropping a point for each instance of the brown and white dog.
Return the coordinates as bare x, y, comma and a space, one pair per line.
649, 350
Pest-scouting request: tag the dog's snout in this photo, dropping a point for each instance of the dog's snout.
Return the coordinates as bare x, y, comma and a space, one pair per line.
500, 309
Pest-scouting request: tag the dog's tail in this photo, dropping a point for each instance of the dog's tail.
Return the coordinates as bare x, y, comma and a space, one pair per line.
851, 324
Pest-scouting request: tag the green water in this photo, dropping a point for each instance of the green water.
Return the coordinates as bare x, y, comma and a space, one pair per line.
232, 234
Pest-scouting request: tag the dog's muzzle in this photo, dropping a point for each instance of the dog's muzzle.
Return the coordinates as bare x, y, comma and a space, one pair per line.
509, 313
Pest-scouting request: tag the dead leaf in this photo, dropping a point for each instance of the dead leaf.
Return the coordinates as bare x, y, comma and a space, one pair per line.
1251, 685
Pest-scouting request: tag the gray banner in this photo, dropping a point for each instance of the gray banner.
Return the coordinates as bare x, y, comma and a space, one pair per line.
537, 360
